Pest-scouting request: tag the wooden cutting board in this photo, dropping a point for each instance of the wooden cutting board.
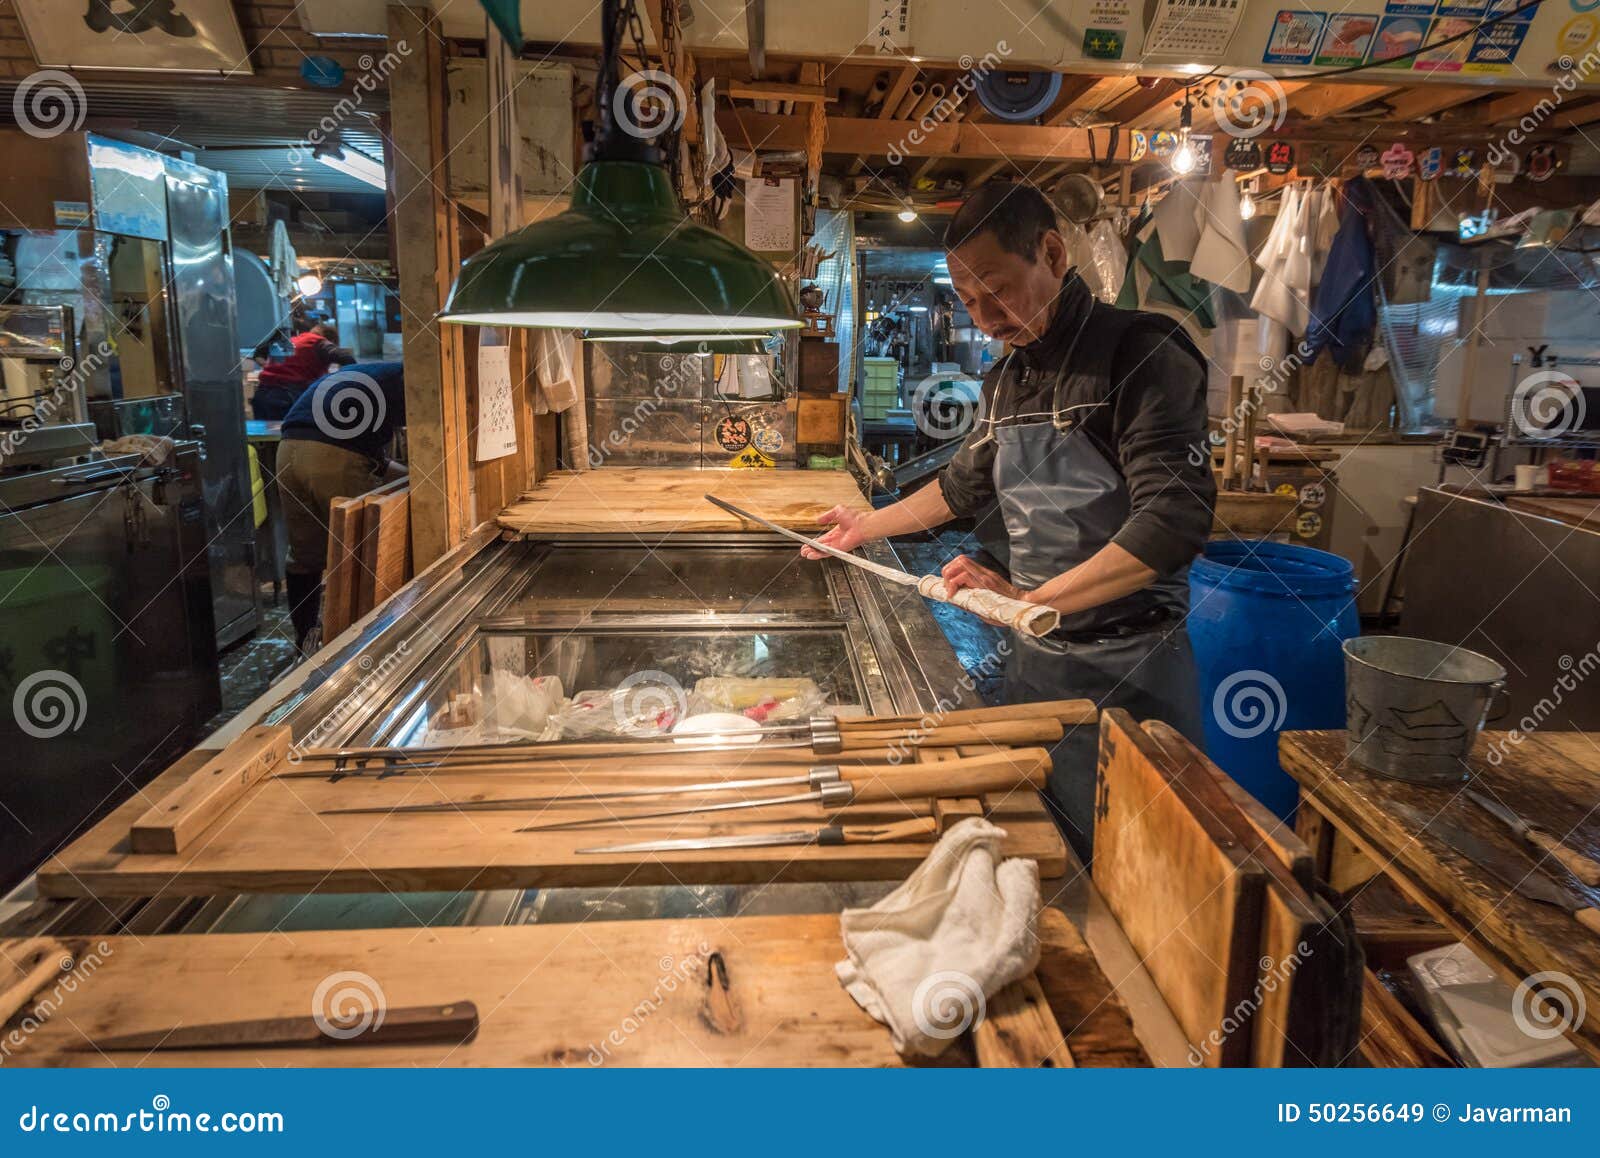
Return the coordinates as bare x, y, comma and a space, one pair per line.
273, 840
1576, 512
1184, 890
645, 500
750, 991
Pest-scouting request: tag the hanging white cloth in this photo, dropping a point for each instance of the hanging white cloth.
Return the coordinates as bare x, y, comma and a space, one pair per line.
1221, 256
1284, 293
556, 386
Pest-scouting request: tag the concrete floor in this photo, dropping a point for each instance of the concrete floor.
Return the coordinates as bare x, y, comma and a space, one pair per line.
251, 666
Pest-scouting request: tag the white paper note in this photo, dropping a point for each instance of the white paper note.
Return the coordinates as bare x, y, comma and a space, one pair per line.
769, 214
497, 421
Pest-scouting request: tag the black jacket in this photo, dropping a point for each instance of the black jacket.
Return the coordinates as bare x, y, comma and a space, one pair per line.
1154, 431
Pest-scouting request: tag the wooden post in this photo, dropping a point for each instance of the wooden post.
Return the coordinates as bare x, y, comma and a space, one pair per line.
427, 254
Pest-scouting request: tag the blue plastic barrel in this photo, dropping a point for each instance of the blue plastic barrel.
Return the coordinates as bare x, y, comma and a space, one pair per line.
1268, 621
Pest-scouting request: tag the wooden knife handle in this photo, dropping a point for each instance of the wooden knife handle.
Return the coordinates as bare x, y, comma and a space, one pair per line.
1589, 919
1029, 618
455, 1023
1044, 730
1066, 711
1577, 864
917, 830
971, 776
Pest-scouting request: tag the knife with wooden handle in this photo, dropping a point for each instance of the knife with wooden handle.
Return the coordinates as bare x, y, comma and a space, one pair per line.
1580, 866
451, 1024
922, 828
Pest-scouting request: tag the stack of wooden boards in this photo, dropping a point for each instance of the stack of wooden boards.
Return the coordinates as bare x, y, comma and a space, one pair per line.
249, 819
369, 554
1218, 899
648, 500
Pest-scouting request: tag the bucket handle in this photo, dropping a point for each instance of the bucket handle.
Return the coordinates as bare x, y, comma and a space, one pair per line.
1497, 688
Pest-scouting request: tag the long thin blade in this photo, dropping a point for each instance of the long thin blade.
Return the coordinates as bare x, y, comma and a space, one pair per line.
1499, 811
692, 844
586, 822
889, 573
511, 803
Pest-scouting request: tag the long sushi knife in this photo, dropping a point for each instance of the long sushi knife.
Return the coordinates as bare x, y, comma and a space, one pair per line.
973, 776
922, 828
1032, 618
814, 779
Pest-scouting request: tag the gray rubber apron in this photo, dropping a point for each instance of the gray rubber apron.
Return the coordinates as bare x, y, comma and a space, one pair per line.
1062, 501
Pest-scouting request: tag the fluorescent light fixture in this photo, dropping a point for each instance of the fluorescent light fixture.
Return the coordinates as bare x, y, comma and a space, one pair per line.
353, 164
918, 309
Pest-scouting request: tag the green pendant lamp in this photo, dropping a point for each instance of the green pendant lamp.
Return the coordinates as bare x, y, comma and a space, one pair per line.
624, 256
707, 343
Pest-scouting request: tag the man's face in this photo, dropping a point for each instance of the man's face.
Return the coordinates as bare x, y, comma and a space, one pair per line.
1009, 297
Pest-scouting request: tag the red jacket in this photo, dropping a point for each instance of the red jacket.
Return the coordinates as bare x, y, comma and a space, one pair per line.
312, 358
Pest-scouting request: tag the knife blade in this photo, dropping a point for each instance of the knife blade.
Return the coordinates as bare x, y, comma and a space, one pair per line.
1580, 866
833, 834
1513, 871
455, 1023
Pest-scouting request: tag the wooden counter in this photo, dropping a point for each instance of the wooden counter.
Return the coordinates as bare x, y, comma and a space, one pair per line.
751, 991
1551, 778
653, 501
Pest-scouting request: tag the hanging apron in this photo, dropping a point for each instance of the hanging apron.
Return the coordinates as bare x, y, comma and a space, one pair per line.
1062, 500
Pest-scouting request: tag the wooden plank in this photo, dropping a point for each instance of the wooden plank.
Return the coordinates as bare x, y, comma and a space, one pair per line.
1184, 891
201, 798
1390, 1036
391, 550
1018, 1030
1550, 779
897, 92
275, 840
772, 90
747, 991
340, 580
856, 135
427, 256
1575, 512
26, 967
645, 500
1427, 99
1250, 514
1317, 101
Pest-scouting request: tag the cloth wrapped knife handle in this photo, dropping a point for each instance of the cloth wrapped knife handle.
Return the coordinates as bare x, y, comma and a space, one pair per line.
1028, 618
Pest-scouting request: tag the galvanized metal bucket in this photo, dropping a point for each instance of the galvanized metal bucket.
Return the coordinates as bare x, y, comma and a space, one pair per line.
1413, 707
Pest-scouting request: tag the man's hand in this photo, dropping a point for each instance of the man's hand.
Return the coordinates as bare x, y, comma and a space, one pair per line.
962, 571
847, 533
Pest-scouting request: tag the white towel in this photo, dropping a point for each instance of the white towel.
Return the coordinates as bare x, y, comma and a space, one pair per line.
926, 958
556, 382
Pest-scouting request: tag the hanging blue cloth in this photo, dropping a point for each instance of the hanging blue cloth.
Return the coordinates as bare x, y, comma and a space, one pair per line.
1344, 310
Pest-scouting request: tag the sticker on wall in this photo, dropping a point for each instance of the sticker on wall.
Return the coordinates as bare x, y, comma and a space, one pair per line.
1104, 43
1162, 143
1430, 164
1280, 157
1308, 525
1286, 490
1242, 155
1347, 39
1138, 146
1410, 7
1396, 36
1464, 163
1577, 36
1494, 49
750, 459
1294, 37
1201, 144
1542, 163
72, 214
1441, 56
1398, 162
1367, 157
768, 440
733, 434
1313, 495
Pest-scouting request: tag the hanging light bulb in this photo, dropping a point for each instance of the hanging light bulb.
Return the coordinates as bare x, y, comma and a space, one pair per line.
907, 214
309, 284
1183, 160
1247, 207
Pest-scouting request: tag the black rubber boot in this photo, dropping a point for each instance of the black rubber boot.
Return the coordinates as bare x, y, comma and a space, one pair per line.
305, 602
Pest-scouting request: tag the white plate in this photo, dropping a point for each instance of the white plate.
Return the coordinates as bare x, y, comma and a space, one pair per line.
717, 727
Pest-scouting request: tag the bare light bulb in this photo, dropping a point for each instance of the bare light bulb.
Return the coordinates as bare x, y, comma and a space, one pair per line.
1183, 160
1247, 207
309, 285
907, 214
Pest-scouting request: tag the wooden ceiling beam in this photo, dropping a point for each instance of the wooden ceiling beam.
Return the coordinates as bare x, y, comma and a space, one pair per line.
1511, 107
857, 136
770, 90
1326, 100
1072, 88
897, 91
1131, 107
1427, 99
1575, 116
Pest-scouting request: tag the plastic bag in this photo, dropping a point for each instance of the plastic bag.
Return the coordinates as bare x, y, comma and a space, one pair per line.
765, 700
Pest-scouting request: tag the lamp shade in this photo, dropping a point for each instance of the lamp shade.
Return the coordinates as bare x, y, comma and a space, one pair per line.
707, 343
623, 257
